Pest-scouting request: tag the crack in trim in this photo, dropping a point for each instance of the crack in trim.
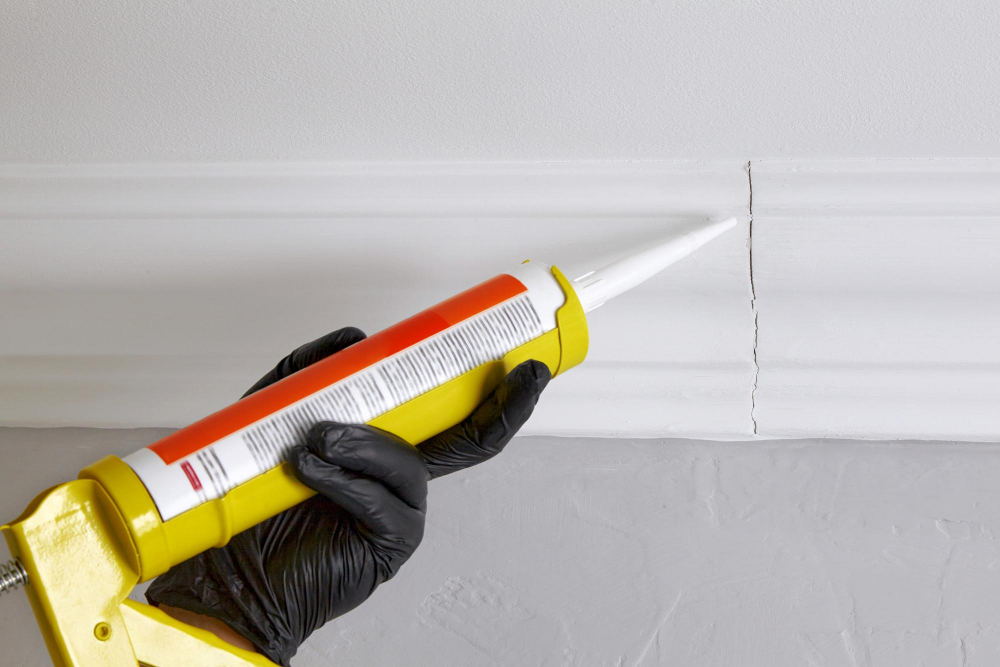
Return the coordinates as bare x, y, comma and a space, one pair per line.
753, 303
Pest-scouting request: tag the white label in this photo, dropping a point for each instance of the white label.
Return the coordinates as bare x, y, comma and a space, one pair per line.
213, 470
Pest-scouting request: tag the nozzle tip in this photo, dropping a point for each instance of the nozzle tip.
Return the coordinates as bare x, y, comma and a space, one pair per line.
596, 287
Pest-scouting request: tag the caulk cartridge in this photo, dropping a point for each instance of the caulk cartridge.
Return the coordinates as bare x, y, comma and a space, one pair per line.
199, 486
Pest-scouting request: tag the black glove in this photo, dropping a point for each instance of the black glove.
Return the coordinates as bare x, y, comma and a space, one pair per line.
277, 582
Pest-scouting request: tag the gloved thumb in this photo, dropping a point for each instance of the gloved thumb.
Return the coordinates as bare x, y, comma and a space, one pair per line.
491, 426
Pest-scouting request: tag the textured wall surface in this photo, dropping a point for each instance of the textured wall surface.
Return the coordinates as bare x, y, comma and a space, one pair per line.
497, 79
588, 552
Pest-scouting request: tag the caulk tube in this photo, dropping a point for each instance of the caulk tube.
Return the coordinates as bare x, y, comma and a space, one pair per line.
201, 485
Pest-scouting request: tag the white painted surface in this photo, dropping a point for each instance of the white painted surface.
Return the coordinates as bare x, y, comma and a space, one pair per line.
497, 79
150, 295
878, 298
153, 296
577, 552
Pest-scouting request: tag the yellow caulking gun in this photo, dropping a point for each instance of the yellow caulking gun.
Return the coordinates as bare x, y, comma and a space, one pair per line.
80, 548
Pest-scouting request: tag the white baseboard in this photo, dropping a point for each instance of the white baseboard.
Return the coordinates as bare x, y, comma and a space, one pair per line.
153, 294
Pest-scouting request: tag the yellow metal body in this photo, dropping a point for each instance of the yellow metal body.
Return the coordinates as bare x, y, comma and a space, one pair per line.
86, 544
81, 564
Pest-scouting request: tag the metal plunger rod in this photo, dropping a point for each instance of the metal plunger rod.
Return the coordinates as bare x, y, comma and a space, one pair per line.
12, 575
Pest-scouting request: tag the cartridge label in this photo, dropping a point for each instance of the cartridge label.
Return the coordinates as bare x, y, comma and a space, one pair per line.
207, 459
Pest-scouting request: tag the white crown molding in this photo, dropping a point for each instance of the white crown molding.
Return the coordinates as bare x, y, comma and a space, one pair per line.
820, 189
152, 294
277, 190
878, 286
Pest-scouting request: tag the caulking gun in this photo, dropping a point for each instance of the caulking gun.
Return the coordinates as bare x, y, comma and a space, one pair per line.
81, 547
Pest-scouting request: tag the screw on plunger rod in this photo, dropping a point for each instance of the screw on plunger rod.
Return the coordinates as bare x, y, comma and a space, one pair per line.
12, 575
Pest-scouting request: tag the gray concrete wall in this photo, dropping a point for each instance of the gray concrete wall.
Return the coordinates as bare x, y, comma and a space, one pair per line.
653, 552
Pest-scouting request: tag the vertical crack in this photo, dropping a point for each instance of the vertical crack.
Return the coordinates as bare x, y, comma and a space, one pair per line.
753, 304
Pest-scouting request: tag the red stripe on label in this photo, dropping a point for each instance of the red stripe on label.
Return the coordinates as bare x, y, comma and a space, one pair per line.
332, 369
191, 475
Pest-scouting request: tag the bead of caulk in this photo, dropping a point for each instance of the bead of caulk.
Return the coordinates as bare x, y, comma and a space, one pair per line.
596, 287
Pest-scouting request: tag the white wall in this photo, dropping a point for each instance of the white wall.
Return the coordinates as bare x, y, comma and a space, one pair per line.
588, 552
121, 80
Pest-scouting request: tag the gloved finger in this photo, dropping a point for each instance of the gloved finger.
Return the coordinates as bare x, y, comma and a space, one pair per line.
491, 426
389, 520
375, 454
308, 354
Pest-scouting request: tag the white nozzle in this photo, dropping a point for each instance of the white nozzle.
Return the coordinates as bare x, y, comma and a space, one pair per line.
609, 281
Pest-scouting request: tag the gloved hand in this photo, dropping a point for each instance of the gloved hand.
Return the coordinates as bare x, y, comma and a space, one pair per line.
277, 582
